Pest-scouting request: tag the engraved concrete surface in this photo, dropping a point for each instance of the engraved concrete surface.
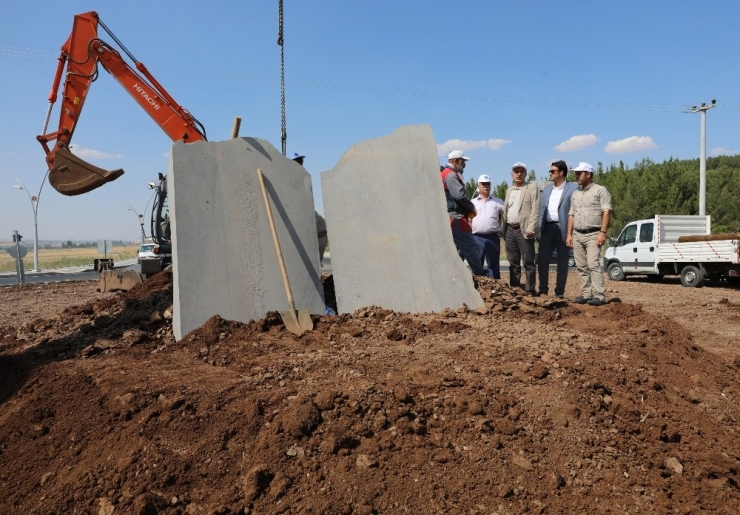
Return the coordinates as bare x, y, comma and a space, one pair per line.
391, 244
224, 259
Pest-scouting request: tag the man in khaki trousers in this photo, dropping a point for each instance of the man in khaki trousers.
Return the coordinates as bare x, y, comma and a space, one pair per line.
588, 221
520, 227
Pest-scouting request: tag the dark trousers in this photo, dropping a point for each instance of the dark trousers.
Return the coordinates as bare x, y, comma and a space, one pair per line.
518, 249
550, 240
490, 249
466, 245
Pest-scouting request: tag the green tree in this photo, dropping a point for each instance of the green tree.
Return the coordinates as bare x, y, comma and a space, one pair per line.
500, 190
471, 187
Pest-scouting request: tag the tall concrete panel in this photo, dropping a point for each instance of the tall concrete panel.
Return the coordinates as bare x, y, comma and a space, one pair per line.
224, 260
387, 221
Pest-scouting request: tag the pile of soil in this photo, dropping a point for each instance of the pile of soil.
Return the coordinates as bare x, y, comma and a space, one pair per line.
527, 405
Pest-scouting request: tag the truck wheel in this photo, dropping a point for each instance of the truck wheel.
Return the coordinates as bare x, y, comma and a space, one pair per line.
615, 272
691, 276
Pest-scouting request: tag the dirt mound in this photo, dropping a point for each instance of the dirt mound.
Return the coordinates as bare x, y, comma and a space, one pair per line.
522, 406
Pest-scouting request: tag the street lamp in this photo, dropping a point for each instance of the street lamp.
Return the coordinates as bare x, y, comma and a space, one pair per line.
703, 154
35, 206
140, 217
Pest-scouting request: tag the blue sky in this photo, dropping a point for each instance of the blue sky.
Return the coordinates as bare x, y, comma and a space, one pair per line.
530, 81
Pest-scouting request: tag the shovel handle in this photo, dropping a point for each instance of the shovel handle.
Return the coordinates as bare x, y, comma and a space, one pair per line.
275, 241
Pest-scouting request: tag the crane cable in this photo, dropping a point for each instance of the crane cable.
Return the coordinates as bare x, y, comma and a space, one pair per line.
284, 133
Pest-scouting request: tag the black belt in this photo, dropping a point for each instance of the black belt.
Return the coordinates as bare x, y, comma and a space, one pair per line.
552, 222
588, 231
512, 226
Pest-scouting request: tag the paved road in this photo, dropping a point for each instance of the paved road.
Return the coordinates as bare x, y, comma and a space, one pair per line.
83, 273
88, 274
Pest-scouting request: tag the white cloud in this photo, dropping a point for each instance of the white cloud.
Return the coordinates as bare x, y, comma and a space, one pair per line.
166, 154
721, 151
457, 144
7, 153
631, 144
89, 153
577, 142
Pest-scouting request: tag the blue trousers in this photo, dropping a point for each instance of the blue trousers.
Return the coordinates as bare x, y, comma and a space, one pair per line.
490, 249
467, 247
551, 239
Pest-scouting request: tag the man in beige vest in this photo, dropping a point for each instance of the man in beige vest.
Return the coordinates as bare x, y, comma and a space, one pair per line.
588, 221
520, 227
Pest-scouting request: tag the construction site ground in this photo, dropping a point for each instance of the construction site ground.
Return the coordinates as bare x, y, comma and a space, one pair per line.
524, 406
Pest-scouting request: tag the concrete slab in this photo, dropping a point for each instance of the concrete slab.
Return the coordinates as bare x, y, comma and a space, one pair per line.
390, 234
224, 260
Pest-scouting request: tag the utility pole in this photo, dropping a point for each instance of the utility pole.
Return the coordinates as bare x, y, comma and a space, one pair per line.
703, 155
140, 218
35, 206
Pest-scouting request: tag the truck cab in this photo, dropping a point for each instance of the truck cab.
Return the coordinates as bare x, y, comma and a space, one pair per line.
633, 251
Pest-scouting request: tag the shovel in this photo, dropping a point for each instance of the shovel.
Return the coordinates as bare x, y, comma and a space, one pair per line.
297, 322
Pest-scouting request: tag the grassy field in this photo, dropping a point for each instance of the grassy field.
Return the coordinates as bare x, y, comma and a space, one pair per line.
57, 257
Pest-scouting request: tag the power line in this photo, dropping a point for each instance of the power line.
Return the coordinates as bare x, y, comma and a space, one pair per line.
727, 105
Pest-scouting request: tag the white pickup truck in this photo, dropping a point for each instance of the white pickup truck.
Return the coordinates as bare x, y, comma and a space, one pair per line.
651, 247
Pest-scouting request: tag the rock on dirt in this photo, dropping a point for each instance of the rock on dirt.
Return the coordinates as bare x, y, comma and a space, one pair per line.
523, 406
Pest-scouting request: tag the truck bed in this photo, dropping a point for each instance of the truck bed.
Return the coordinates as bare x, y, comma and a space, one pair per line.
722, 251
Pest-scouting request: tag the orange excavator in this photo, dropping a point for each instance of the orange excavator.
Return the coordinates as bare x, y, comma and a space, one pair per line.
78, 62
68, 174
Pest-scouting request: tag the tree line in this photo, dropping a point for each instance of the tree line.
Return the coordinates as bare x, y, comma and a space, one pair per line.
670, 188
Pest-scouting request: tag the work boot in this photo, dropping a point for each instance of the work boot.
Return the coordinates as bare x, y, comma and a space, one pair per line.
581, 300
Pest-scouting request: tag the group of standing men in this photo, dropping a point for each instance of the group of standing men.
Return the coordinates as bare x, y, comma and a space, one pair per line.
565, 215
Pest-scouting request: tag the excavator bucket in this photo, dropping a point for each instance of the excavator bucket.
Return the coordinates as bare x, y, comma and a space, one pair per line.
70, 175
114, 280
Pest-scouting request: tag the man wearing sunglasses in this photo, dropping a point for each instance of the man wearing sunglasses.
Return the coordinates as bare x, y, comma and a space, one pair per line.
554, 210
588, 221
520, 227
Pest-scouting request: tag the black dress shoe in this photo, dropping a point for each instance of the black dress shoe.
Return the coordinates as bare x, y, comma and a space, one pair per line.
597, 301
532, 293
581, 300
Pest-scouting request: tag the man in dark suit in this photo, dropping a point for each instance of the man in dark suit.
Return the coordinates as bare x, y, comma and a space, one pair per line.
554, 208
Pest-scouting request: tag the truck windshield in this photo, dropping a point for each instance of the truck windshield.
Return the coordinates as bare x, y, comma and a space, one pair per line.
629, 235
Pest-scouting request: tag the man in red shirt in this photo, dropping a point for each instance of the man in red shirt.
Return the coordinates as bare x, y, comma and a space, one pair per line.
461, 209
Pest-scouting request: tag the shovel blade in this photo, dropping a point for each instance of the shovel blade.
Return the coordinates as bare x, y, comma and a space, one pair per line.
297, 322
71, 175
304, 320
290, 319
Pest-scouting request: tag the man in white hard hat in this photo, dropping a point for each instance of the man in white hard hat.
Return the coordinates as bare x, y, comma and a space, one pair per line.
460, 209
487, 224
588, 221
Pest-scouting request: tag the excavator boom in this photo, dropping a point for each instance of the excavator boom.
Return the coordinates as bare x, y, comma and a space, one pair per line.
78, 64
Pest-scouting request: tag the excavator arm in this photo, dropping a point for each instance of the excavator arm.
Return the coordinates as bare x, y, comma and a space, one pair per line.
78, 65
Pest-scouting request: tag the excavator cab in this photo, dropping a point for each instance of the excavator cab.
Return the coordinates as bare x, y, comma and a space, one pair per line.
71, 175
